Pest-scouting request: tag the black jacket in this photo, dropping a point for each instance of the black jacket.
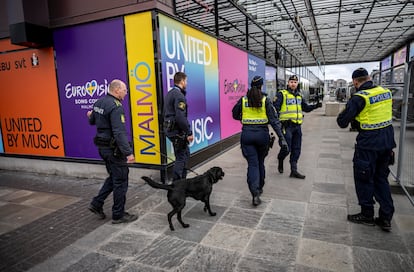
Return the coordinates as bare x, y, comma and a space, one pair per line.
176, 109
109, 118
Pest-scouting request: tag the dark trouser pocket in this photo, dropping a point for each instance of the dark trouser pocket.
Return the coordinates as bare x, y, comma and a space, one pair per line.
362, 171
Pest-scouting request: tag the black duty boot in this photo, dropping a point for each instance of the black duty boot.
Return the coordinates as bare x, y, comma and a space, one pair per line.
98, 211
384, 224
296, 174
256, 200
359, 218
280, 166
126, 218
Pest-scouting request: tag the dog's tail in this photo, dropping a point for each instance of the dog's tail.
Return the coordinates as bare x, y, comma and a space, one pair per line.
156, 184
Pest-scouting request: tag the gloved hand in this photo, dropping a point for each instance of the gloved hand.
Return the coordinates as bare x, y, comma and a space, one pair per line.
283, 145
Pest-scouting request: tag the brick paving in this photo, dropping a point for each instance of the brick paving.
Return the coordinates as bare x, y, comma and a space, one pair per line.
37, 241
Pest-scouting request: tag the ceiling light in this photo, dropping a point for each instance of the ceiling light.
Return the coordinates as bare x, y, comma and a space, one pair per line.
352, 26
379, 46
380, 41
357, 11
226, 28
295, 36
399, 20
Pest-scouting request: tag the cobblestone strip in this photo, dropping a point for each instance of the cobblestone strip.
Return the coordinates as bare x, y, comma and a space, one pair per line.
39, 240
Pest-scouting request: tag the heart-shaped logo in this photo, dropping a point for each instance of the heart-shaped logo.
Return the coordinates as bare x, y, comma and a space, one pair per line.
235, 84
91, 87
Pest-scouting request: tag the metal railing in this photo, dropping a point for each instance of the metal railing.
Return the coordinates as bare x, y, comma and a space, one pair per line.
403, 171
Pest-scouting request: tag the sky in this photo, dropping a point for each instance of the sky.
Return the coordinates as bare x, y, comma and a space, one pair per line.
343, 71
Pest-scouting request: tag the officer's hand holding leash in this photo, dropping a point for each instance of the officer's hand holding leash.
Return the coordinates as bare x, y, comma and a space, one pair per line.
130, 158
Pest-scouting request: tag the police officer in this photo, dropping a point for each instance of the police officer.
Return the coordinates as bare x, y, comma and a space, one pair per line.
177, 126
290, 104
370, 112
114, 148
256, 111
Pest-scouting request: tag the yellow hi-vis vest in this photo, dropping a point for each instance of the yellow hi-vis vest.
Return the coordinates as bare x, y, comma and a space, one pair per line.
254, 116
377, 112
291, 108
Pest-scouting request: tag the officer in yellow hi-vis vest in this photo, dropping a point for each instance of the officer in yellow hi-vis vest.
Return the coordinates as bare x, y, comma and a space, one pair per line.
290, 105
370, 112
256, 112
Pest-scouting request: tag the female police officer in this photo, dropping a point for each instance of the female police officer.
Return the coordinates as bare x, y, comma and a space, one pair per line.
256, 111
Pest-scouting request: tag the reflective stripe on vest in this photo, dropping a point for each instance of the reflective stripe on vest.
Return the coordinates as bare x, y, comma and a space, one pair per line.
252, 115
291, 108
377, 112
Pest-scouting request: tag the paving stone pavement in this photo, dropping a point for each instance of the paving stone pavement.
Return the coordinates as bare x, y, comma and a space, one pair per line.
300, 226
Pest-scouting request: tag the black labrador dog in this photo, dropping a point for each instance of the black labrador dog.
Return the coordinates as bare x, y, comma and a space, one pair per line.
198, 187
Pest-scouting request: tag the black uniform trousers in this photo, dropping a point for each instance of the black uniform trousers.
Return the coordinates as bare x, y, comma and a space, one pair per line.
371, 180
182, 155
116, 182
255, 147
293, 136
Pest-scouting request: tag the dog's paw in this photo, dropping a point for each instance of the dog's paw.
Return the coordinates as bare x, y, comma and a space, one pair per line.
171, 228
213, 214
186, 225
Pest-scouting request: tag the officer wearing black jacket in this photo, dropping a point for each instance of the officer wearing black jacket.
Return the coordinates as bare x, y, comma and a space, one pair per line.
112, 142
290, 105
370, 112
176, 124
256, 112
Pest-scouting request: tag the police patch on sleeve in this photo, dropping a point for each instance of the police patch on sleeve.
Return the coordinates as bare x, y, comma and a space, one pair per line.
122, 118
181, 105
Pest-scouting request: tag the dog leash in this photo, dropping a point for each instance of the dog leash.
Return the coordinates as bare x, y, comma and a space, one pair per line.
186, 168
165, 156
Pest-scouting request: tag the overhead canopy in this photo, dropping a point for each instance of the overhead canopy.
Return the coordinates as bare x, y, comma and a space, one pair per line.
305, 32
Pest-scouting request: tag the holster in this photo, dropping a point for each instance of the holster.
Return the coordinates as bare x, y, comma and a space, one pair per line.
169, 125
111, 143
272, 140
180, 141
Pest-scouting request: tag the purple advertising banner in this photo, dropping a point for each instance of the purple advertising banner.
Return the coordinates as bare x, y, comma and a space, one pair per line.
88, 58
